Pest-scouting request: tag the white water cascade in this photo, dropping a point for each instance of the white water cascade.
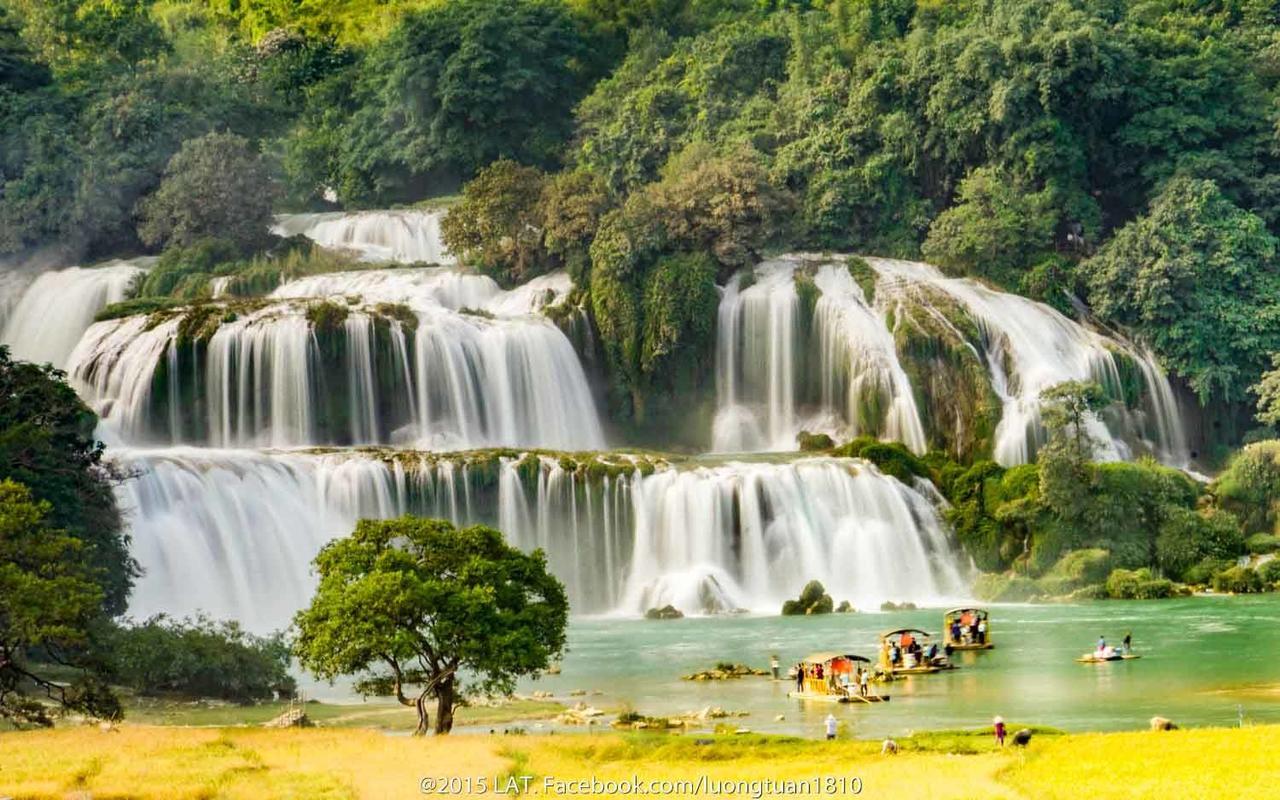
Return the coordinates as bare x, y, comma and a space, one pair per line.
855, 382
218, 409
454, 375
47, 317
409, 236
704, 538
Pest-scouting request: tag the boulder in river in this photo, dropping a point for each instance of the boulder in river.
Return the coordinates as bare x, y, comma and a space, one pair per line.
813, 600
666, 612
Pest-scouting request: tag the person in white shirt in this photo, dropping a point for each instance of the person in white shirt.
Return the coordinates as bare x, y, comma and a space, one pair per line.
831, 726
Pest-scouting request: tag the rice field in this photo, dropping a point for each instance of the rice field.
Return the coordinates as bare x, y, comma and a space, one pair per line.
180, 763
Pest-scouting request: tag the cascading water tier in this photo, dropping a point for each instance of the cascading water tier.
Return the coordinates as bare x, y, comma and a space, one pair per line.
625, 533
894, 349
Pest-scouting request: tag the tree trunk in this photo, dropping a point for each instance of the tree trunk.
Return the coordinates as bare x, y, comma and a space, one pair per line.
444, 705
424, 718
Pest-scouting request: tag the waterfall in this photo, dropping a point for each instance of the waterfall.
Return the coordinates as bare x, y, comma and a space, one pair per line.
408, 236
746, 535
47, 316
421, 374
705, 538
830, 359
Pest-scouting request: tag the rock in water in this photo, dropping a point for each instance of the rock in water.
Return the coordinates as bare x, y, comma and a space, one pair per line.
666, 612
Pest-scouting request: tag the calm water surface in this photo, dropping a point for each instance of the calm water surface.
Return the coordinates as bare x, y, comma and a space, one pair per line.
1205, 659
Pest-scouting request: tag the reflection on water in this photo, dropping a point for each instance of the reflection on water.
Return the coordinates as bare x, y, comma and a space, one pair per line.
1202, 657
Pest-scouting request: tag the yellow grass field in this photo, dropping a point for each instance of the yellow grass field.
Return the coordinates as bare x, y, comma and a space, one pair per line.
172, 763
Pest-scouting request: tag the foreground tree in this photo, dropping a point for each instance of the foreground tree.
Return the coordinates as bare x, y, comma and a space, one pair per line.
423, 601
50, 602
47, 444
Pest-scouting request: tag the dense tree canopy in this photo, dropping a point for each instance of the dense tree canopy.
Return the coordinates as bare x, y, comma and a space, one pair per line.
1115, 151
1197, 277
47, 443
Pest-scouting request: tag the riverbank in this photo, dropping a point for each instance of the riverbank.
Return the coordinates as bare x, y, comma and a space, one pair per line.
145, 762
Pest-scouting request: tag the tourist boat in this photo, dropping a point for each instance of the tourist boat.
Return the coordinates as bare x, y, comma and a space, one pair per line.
909, 663
829, 688
965, 621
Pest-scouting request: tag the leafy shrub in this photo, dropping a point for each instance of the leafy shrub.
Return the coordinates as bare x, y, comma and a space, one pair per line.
1260, 544
1202, 573
1237, 580
1250, 486
1269, 572
179, 264
1188, 537
200, 658
1076, 569
1124, 584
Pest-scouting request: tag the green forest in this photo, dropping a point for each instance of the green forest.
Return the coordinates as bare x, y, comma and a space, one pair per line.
1118, 160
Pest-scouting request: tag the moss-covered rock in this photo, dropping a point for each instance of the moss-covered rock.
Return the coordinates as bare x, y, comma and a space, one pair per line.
941, 350
864, 275
813, 600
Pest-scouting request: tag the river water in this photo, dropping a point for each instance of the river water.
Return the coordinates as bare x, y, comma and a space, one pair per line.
1204, 660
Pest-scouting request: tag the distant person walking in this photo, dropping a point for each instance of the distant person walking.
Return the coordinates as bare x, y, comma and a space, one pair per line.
799, 677
775, 667
998, 726
831, 726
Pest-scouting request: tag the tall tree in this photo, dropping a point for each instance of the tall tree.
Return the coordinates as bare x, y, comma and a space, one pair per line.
423, 604
1065, 469
50, 600
47, 444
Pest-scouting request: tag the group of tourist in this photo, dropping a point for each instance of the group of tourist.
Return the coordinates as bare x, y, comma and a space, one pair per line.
858, 680
909, 649
969, 628
1106, 651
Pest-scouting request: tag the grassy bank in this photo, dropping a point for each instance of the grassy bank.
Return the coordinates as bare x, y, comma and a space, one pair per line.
138, 761
379, 715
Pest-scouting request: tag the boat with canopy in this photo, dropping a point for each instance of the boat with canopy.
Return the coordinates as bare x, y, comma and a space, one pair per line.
967, 628
911, 651
831, 677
